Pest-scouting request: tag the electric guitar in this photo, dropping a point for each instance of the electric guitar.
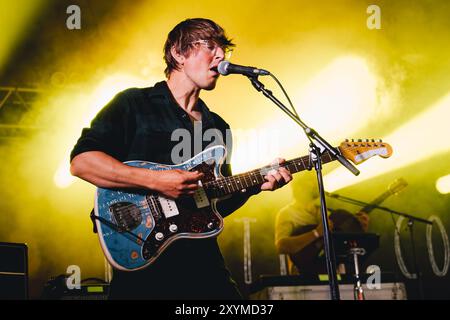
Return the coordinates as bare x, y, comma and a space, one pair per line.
136, 226
307, 259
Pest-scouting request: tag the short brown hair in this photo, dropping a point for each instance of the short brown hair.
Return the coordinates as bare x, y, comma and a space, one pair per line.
188, 31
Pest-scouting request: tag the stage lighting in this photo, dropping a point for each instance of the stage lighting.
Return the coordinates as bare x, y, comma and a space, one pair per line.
443, 184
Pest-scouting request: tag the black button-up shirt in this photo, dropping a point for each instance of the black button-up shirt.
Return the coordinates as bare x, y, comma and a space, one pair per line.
137, 125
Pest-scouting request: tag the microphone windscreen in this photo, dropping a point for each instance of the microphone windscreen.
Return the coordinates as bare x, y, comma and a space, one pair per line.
222, 67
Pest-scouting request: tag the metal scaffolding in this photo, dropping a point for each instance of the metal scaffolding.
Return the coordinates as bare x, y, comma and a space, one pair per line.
14, 103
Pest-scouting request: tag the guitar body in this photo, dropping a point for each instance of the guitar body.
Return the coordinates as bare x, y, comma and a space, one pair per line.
155, 220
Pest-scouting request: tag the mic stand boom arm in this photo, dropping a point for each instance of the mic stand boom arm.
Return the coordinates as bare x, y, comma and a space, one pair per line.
317, 146
366, 204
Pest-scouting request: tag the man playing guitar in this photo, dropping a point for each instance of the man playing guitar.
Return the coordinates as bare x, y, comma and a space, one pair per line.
138, 125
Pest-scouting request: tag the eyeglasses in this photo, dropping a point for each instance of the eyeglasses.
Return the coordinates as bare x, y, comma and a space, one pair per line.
213, 46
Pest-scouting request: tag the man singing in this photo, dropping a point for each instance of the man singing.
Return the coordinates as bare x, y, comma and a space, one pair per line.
137, 125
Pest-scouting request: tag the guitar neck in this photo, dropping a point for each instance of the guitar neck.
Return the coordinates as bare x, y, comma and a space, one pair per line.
236, 183
377, 201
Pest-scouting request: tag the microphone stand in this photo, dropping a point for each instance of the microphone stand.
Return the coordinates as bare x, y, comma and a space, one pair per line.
411, 220
317, 146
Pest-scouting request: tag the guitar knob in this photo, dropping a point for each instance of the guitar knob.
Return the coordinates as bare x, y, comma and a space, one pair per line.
159, 236
173, 228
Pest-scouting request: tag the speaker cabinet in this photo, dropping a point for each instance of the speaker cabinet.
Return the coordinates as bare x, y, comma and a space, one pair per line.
13, 271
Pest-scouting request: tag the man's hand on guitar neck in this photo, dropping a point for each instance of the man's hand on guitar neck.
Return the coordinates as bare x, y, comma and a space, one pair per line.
276, 178
363, 219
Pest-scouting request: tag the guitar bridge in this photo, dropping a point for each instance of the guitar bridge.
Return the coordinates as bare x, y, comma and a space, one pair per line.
126, 215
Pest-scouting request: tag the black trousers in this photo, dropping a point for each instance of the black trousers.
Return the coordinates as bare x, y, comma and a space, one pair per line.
138, 285
189, 269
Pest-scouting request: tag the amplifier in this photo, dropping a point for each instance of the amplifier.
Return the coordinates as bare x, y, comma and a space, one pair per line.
306, 288
87, 292
90, 289
13, 271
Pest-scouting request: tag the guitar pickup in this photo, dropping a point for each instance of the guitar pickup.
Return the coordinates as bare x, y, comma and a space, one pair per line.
200, 198
169, 207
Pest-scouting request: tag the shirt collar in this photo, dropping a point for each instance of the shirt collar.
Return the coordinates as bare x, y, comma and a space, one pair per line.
162, 89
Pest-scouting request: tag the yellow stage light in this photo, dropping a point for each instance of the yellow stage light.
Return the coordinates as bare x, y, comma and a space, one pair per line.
340, 99
424, 136
443, 184
62, 177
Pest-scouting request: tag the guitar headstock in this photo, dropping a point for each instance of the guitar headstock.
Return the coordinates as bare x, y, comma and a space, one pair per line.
359, 150
397, 185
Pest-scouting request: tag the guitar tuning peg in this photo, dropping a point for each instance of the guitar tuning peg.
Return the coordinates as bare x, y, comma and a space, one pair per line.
373, 140
367, 140
359, 140
353, 140
346, 140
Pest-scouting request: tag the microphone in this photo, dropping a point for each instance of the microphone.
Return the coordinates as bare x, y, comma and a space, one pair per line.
225, 68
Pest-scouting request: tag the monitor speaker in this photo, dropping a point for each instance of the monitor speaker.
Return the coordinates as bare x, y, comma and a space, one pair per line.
13, 271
